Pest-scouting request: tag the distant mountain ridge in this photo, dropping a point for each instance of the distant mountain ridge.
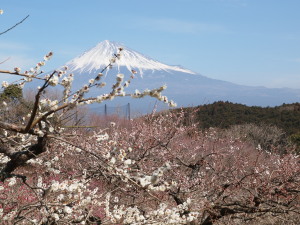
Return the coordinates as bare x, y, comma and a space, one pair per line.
185, 87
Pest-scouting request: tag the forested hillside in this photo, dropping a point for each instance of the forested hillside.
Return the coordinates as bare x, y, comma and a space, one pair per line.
224, 114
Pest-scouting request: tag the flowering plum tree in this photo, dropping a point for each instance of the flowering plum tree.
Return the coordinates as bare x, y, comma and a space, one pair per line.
157, 170
23, 142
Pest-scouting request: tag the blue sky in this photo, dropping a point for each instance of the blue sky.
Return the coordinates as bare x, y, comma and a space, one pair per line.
250, 42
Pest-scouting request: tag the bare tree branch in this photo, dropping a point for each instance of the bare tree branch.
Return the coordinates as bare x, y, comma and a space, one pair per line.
14, 25
36, 103
20, 74
5, 60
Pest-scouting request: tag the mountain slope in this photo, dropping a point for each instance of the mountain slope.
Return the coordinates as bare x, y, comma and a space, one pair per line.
184, 86
98, 57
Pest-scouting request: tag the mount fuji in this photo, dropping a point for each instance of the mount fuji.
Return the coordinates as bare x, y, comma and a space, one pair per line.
185, 87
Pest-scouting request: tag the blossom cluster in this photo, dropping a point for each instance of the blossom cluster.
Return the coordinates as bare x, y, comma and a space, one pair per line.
155, 170
74, 200
156, 93
30, 74
162, 215
129, 176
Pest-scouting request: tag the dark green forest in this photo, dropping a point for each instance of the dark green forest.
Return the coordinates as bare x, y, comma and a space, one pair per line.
225, 114
276, 125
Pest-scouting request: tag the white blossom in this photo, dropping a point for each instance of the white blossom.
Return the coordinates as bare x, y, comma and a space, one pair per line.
67, 209
48, 56
120, 77
113, 160
5, 84
128, 162
55, 216
12, 181
17, 69
102, 137
54, 80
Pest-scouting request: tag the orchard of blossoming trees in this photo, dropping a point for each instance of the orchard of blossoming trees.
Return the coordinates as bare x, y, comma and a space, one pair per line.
157, 169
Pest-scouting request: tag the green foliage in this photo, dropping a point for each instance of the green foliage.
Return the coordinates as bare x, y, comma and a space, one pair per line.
295, 139
225, 114
12, 92
15, 107
271, 128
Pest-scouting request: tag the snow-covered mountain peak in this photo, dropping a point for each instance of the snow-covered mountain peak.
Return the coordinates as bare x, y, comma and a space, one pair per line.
98, 57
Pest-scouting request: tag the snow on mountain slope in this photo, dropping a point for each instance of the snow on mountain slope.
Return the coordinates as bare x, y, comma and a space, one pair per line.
185, 87
99, 57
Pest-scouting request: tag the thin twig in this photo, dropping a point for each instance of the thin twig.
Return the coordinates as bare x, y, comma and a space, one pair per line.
14, 25
5, 60
21, 74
